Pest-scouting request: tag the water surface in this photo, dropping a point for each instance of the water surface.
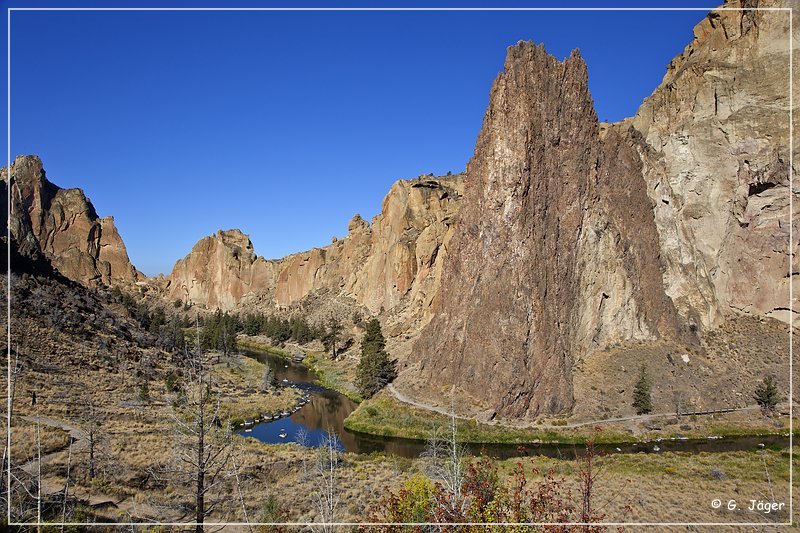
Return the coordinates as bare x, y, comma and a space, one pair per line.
327, 409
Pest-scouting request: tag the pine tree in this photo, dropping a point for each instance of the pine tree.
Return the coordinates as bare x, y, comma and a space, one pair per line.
642, 400
767, 394
331, 337
375, 369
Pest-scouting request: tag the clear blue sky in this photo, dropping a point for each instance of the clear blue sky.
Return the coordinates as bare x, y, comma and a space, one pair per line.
285, 124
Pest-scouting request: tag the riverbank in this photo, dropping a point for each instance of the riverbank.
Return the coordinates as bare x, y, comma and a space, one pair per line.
329, 374
241, 394
250, 343
385, 416
332, 376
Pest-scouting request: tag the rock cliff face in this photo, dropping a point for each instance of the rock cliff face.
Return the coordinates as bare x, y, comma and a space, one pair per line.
574, 236
717, 166
390, 265
62, 225
564, 238
220, 271
556, 249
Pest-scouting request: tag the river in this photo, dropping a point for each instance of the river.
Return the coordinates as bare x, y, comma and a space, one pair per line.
327, 409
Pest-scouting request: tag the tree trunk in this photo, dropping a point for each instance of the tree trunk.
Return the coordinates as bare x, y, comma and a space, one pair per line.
200, 504
91, 454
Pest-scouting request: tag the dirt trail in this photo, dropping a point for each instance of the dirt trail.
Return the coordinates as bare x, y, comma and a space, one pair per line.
636, 418
51, 485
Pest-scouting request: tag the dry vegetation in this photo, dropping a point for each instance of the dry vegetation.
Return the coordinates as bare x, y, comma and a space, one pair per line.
70, 362
722, 372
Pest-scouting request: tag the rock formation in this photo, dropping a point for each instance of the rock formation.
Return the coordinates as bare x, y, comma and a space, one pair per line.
716, 133
62, 225
220, 271
564, 237
573, 236
390, 265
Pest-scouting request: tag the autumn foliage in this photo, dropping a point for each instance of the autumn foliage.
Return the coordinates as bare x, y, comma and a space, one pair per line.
524, 498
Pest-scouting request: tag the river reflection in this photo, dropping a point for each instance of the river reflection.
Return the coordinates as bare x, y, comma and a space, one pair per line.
327, 409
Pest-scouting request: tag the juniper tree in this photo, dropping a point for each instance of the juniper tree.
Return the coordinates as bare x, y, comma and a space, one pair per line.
642, 400
375, 369
766, 394
331, 337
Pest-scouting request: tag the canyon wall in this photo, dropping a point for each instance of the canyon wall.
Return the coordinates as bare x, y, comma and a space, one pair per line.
565, 236
62, 225
574, 235
221, 271
716, 156
390, 265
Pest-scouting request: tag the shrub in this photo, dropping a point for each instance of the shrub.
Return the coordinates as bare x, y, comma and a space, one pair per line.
642, 401
144, 392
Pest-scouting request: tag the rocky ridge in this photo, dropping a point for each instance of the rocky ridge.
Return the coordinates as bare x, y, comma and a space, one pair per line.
660, 227
62, 225
390, 265
572, 236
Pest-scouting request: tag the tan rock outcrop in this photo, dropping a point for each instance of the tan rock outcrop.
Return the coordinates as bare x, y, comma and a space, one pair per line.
221, 271
390, 265
717, 165
62, 225
574, 236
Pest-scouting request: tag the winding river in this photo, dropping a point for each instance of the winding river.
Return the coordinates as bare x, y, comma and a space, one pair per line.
326, 410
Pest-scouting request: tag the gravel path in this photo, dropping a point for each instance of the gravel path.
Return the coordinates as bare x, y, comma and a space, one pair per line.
638, 418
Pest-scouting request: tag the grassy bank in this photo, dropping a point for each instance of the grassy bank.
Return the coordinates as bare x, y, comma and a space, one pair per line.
388, 417
242, 398
331, 376
252, 344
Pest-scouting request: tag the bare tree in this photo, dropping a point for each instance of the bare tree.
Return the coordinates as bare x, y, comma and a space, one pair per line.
235, 474
267, 378
327, 493
66, 486
14, 371
91, 420
203, 443
677, 397
446, 464
301, 438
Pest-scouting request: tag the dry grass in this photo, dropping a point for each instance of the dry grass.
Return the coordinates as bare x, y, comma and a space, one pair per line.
242, 398
721, 373
23, 441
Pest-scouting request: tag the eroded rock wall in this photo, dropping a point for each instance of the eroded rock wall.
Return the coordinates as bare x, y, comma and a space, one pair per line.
390, 265
221, 271
717, 131
63, 226
574, 236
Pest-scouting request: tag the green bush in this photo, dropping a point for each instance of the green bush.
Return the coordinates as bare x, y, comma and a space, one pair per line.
642, 400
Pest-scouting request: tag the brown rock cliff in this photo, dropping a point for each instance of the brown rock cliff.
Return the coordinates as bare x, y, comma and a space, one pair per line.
62, 225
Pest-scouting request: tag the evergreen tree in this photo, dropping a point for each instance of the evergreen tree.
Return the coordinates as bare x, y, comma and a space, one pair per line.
252, 324
767, 394
375, 369
642, 400
331, 337
144, 391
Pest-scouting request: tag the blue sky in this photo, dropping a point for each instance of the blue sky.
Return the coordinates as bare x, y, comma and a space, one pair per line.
285, 124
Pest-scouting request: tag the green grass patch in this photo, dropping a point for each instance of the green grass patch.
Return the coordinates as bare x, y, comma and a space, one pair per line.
331, 377
261, 347
387, 417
